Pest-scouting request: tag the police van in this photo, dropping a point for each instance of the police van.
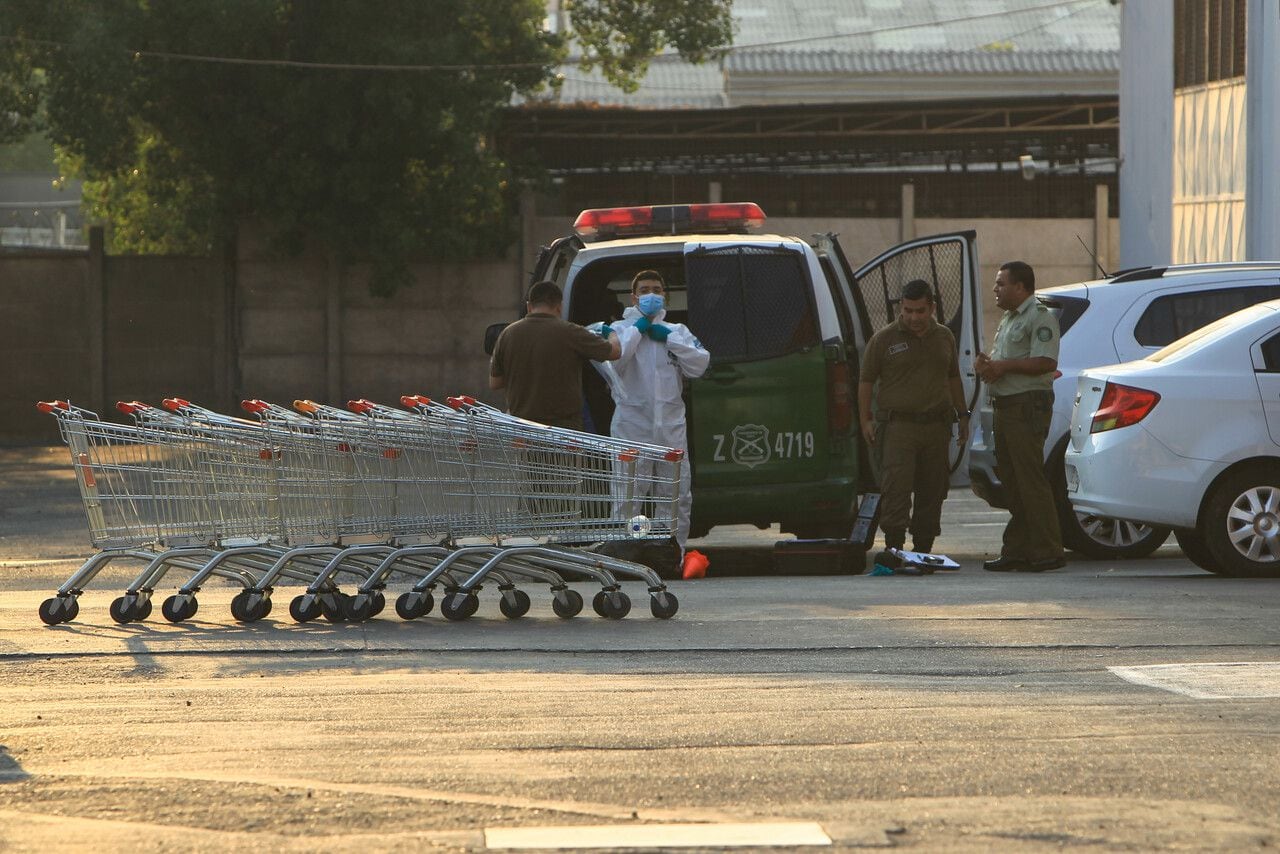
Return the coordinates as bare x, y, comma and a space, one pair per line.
773, 425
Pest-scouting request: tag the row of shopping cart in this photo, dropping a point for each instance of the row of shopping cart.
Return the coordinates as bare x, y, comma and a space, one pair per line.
448, 494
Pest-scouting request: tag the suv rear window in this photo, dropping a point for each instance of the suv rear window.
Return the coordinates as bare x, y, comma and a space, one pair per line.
1067, 309
1169, 318
749, 302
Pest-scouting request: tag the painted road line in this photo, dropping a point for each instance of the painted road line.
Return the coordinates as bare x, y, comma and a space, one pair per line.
1228, 680
658, 836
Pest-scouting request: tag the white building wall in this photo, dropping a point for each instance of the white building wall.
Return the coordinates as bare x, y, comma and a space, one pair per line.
1209, 173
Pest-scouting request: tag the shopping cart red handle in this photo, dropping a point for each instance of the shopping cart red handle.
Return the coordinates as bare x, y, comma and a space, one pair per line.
413, 401
674, 455
173, 404
48, 406
456, 402
128, 407
255, 405
361, 406
310, 407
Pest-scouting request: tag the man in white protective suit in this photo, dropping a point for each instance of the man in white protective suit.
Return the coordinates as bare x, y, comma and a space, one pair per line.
646, 382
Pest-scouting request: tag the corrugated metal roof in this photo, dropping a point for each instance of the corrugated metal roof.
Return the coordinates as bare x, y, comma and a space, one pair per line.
924, 37
924, 62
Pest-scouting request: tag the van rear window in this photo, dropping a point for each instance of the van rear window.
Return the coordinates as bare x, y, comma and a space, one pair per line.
748, 302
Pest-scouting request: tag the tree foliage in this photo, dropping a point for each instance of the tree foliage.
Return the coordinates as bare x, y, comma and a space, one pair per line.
372, 163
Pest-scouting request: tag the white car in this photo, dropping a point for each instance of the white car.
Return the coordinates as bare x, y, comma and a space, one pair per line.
1128, 316
1189, 439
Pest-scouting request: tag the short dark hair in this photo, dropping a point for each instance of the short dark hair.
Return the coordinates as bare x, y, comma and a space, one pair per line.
646, 275
1020, 271
917, 289
545, 293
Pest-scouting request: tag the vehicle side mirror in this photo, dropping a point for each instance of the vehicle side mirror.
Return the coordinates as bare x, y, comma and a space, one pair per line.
491, 336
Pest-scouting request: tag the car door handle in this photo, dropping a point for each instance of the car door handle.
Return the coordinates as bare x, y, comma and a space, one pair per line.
722, 374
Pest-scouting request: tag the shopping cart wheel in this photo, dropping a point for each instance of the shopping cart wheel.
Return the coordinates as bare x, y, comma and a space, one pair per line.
663, 604
459, 605
179, 607
616, 605
58, 609
597, 603
359, 607
249, 606
415, 603
122, 608
567, 603
379, 602
514, 604
304, 608
142, 611
333, 606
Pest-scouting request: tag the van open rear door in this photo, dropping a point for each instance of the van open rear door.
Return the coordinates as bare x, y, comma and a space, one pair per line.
949, 263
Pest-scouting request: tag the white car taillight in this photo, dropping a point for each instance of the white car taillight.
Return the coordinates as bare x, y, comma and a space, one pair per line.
1122, 405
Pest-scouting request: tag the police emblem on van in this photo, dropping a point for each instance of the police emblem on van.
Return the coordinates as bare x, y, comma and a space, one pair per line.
750, 445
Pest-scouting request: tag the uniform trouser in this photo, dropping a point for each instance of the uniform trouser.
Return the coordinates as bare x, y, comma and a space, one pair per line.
914, 459
1021, 429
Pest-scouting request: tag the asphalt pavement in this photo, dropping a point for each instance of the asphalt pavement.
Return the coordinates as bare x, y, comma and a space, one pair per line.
1109, 706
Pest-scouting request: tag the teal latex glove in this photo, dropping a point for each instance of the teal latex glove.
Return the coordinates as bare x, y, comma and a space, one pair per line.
659, 332
643, 324
605, 331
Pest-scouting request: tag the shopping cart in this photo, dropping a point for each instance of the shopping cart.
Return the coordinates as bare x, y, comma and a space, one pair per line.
542, 498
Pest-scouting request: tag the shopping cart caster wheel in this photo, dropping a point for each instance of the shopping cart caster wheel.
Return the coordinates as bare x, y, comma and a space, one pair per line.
121, 609
459, 606
616, 605
58, 609
179, 607
664, 605
412, 605
598, 603
142, 611
334, 607
304, 608
567, 604
249, 606
515, 606
359, 607
263, 609
379, 602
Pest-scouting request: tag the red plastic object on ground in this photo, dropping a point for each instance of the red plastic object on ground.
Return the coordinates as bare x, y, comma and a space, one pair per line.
695, 564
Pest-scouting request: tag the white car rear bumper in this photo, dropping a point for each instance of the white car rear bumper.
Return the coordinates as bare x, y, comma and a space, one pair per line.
1128, 474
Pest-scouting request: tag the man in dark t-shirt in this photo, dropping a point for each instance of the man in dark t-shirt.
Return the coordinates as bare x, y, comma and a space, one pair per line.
539, 358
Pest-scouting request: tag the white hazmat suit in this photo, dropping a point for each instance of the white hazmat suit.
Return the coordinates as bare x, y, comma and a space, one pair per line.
646, 382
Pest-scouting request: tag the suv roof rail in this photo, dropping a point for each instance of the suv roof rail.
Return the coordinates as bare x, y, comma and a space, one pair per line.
1140, 273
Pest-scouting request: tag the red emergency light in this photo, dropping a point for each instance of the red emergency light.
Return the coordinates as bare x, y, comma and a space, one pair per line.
603, 223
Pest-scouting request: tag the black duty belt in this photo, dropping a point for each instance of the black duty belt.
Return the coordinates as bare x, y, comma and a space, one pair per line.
931, 417
1022, 398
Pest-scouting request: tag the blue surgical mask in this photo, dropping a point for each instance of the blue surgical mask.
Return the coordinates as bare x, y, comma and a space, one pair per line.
650, 304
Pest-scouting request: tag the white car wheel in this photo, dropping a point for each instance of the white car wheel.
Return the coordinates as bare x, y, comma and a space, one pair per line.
1241, 523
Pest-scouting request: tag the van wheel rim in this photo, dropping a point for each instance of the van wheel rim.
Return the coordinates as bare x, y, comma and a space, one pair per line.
1253, 524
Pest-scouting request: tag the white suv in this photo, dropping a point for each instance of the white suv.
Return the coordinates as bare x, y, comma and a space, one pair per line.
1126, 317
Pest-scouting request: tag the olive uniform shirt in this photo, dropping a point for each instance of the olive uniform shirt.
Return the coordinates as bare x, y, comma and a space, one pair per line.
540, 359
1028, 331
914, 371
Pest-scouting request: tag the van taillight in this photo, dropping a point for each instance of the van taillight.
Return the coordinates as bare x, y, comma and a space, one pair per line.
1122, 405
839, 398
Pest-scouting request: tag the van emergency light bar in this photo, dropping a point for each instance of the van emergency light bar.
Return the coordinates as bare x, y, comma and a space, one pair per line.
602, 223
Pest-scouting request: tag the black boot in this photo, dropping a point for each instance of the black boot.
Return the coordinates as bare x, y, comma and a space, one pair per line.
895, 538
923, 545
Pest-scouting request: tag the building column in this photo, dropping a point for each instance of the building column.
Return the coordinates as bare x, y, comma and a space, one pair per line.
1262, 129
1101, 229
907, 222
1146, 134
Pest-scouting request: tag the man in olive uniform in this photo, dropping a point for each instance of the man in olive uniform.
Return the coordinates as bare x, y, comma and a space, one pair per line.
1019, 377
920, 396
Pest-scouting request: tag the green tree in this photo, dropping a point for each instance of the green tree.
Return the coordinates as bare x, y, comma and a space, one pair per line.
372, 162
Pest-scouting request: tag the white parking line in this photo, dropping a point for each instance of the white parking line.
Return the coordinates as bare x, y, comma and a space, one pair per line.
1228, 680
658, 835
